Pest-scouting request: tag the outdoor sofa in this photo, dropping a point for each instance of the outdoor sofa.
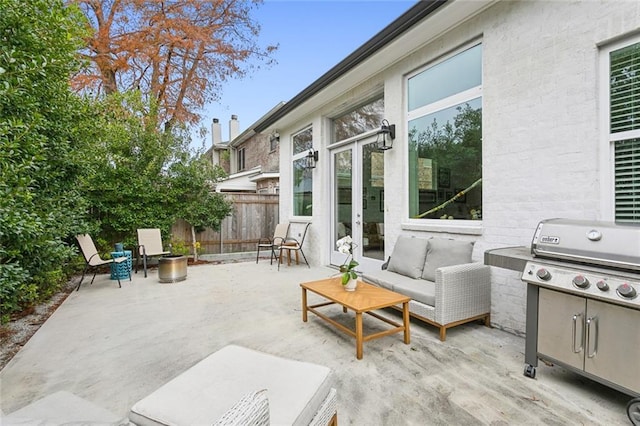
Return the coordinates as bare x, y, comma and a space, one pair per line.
446, 288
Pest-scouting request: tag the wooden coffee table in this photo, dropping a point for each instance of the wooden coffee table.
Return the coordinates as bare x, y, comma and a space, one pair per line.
365, 299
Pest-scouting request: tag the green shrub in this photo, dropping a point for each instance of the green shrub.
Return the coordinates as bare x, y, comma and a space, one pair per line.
15, 290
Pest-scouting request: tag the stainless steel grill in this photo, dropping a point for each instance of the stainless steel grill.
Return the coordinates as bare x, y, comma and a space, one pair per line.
583, 301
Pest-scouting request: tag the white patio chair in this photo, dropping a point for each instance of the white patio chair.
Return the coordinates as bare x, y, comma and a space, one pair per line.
273, 244
149, 245
293, 245
93, 259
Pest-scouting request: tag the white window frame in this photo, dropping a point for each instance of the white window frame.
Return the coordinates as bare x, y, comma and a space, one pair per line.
607, 151
456, 226
241, 158
294, 158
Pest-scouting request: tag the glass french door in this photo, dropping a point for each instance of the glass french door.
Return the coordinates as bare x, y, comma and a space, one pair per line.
358, 202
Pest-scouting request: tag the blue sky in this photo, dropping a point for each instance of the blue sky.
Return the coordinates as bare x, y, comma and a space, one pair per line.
313, 37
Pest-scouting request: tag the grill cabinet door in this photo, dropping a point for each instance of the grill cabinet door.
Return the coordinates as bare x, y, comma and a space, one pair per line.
613, 348
561, 319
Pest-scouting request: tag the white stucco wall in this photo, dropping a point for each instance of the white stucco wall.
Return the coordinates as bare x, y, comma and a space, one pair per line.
542, 147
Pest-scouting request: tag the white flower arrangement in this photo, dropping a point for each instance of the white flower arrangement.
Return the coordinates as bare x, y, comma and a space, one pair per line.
346, 245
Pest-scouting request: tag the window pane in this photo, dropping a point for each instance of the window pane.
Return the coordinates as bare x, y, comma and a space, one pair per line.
302, 189
445, 163
342, 178
455, 75
358, 121
627, 176
302, 141
625, 89
372, 207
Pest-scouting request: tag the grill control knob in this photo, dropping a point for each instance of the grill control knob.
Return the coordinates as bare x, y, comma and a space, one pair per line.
626, 291
602, 285
580, 281
543, 274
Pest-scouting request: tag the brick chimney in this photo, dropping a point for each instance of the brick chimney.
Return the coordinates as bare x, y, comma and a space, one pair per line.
216, 132
234, 127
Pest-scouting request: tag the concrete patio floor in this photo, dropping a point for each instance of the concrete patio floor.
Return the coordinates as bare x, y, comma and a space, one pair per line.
114, 346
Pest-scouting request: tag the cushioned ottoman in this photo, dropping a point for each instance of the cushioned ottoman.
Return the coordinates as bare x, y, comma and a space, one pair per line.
228, 382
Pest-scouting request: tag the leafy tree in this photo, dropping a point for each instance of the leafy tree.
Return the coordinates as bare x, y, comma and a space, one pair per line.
140, 177
176, 53
40, 204
196, 200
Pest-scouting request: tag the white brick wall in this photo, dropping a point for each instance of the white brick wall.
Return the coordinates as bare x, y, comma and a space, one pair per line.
541, 144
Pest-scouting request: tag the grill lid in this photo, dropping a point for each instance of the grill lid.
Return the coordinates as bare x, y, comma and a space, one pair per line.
592, 242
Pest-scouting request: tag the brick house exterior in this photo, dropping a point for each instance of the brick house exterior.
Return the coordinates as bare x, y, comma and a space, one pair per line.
545, 146
251, 159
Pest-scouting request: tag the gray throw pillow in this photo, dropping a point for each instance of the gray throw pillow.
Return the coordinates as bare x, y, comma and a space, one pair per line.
408, 256
444, 252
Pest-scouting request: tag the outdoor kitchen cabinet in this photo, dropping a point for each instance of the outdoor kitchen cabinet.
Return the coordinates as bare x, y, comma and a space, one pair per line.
599, 339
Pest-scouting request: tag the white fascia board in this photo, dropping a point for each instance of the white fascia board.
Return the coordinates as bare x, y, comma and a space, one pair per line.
442, 20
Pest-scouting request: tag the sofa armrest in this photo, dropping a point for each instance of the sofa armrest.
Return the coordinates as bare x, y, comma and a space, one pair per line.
462, 291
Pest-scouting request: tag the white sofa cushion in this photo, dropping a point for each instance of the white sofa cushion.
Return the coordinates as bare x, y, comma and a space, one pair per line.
408, 256
251, 410
417, 289
203, 393
444, 252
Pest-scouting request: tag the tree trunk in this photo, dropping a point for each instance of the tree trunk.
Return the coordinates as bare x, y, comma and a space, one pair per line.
193, 242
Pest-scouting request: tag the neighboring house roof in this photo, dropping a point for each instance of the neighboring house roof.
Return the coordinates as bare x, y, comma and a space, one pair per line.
241, 181
265, 176
242, 137
394, 42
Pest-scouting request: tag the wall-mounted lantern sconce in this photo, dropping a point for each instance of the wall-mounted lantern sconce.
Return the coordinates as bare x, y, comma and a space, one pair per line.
274, 136
312, 159
386, 135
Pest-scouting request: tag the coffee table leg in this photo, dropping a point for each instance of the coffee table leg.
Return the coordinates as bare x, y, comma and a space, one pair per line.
359, 335
405, 320
304, 305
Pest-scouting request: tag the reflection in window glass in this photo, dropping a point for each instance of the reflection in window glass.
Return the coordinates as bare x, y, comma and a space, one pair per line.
455, 75
302, 189
445, 139
624, 129
360, 120
302, 141
445, 151
342, 178
372, 190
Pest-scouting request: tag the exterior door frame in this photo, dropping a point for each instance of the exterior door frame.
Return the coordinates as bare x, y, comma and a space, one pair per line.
356, 200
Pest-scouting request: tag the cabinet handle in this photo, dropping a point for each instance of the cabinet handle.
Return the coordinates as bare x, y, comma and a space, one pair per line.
592, 321
573, 333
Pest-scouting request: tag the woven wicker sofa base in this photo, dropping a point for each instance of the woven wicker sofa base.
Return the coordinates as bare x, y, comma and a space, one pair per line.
485, 318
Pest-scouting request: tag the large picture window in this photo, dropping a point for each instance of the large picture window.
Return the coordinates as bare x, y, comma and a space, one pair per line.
624, 129
445, 138
302, 177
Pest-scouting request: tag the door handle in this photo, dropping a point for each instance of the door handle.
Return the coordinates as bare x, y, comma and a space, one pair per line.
574, 333
592, 321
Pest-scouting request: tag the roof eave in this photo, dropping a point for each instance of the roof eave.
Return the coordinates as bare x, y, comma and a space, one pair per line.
407, 20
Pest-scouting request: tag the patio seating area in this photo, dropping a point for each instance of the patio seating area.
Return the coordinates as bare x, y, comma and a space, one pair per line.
114, 346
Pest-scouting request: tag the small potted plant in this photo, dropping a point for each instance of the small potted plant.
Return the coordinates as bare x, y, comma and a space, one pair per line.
347, 269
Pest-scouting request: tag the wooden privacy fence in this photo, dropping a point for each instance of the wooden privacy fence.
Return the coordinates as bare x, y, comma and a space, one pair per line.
254, 216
